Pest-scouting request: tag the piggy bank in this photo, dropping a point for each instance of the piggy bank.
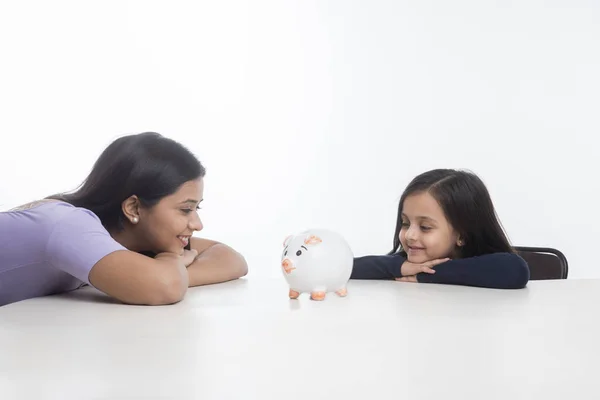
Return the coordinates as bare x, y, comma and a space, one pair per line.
316, 261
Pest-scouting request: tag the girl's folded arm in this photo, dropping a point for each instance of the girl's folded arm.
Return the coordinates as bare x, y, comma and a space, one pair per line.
377, 267
497, 270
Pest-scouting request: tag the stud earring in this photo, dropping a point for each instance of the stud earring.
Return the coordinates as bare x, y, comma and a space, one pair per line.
135, 220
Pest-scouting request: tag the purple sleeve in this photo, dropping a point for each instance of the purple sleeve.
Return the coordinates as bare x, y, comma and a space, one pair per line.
78, 241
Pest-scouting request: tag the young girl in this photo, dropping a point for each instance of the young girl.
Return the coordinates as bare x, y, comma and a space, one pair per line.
447, 232
127, 231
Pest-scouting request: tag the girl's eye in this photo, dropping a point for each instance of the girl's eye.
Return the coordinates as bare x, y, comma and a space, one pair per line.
299, 252
426, 228
405, 224
285, 254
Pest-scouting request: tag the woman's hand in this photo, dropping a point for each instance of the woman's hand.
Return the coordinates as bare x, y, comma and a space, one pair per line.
189, 256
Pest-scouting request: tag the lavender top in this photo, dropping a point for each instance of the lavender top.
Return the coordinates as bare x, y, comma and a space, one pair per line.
49, 247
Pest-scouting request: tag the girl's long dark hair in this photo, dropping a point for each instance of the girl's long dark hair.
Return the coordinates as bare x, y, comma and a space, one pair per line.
467, 206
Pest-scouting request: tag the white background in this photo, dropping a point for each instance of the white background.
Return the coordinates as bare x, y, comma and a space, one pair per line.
316, 113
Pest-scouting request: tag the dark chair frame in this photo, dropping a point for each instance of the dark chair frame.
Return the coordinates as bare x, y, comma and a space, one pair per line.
547, 250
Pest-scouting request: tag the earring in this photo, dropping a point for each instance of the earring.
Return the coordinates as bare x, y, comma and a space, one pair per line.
135, 220
460, 243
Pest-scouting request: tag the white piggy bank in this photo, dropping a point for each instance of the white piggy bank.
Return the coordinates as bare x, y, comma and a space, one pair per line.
316, 261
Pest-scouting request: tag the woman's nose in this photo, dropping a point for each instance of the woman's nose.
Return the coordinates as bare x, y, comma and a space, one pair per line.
196, 223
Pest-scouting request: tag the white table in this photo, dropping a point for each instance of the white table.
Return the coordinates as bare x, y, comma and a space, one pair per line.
246, 340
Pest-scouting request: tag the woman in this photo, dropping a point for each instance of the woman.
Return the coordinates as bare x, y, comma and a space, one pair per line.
127, 231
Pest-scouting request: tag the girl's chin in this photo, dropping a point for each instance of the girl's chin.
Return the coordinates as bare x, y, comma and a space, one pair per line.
417, 259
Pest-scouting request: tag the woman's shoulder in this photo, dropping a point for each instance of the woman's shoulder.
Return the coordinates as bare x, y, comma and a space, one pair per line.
78, 218
43, 204
49, 229
48, 213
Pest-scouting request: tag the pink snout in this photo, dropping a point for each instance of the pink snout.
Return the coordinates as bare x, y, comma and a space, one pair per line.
287, 265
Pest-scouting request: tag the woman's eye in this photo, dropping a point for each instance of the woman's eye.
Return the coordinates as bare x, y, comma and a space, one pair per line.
405, 224
299, 253
426, 228
189, 210
285, 254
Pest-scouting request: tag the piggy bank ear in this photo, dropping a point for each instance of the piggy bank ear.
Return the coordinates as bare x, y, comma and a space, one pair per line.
287, 239
312, 240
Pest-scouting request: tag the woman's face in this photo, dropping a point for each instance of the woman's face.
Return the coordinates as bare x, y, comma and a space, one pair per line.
169, 225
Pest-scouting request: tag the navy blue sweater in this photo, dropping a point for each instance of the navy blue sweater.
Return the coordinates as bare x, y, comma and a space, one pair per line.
498, 270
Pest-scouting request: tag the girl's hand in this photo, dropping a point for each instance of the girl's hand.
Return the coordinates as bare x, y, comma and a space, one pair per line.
412, 278
409, 269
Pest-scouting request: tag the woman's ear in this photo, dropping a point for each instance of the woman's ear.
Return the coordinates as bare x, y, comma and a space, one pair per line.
131, 209
460, 242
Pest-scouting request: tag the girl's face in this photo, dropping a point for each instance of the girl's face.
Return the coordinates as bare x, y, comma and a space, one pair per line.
426, 234
169, 225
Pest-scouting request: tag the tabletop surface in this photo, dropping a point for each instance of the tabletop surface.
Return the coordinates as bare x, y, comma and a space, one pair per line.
246, 339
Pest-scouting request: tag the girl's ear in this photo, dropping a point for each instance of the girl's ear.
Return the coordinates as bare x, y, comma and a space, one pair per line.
460, 242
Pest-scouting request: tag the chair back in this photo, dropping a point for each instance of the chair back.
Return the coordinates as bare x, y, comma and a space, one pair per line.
544, 262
